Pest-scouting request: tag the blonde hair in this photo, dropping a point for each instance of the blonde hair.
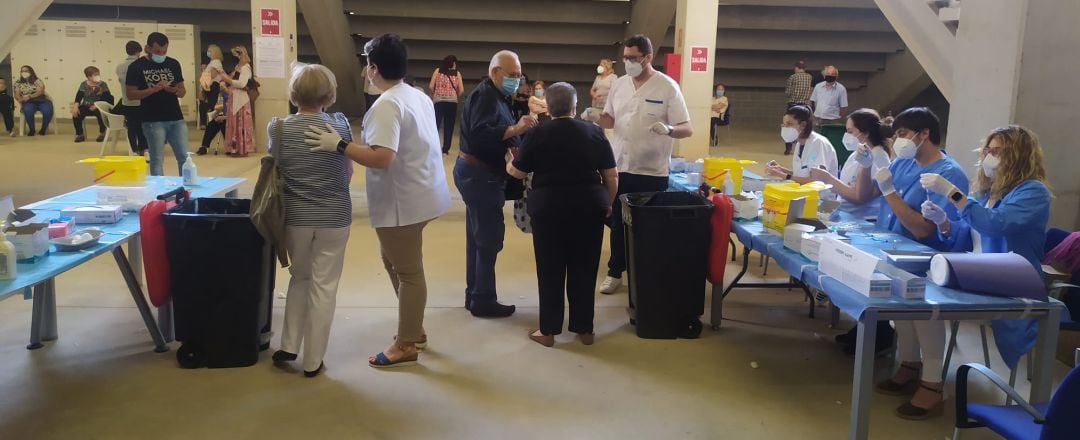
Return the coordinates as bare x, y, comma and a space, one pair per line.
312, 85
244, 57
215, 52
608, 64
539, 84
1021, 160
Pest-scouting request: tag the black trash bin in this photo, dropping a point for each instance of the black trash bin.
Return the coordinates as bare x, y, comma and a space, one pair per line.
667, 245
222, 276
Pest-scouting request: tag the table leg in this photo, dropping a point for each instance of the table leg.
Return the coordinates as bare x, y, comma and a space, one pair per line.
834, 316
809, 295
745, 264
863, 382
136, 259
717, 307
35, 317
48, 322
140, 300
732, 248
1045, 347
165, 321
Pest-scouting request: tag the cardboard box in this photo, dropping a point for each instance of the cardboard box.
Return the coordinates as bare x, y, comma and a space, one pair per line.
811, 243
107, 214
31, 241
793, 235
854, 268
746, 206
904, 284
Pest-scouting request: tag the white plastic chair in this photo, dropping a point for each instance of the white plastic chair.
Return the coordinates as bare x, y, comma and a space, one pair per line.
114, 127
20, 120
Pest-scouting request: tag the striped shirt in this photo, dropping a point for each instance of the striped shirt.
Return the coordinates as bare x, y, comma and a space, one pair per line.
316, 183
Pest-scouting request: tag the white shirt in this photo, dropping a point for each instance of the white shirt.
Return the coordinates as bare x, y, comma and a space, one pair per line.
829, 100
637, 149
815, 152
413, 188
214, 64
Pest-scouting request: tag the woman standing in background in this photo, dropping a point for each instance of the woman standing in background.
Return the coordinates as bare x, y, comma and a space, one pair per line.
605, 77
239, 140
446, 86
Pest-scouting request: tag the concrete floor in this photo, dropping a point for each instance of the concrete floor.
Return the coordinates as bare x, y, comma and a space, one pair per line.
478, 379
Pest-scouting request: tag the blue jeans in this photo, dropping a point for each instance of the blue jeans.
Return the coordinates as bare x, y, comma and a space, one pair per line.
156, 134
483, 193
44, 106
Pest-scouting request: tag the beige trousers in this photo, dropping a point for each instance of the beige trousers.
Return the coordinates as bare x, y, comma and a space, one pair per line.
402, 253
317, 255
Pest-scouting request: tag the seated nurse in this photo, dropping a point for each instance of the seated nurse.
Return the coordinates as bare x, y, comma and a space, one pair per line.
1006, 212
865, 137
918, 136
812, 149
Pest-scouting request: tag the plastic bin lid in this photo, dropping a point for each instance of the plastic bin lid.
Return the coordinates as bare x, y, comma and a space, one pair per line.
666, 199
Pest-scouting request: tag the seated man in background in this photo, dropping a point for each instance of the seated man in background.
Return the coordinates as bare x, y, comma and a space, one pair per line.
90, 91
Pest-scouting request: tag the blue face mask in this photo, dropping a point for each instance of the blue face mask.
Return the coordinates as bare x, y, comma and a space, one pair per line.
510, 85
157, 58
719, 93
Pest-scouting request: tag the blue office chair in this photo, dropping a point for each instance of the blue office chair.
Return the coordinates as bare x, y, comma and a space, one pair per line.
1058, 419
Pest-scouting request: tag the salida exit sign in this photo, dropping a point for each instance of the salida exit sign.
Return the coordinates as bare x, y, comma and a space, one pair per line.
271, 21
699, 59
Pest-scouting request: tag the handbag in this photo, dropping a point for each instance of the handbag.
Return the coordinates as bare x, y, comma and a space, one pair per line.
521, 207
252, 89
267, 201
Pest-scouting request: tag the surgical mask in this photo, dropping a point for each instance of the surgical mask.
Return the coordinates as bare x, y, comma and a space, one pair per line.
539, 93
24, 75
633, 69
789, 134
157, 58
830, 78
95, 78
850, 142
209, 55
510, 85
719, 93
600, 70
989, 164
905, 148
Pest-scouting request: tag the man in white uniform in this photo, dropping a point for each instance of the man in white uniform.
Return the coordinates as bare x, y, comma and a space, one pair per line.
406, 185
648, 112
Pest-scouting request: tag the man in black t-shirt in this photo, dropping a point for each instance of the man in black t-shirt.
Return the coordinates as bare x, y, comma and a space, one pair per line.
157, 81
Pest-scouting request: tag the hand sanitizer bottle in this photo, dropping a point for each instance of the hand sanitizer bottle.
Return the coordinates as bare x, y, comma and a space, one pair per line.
190, 171
7, 257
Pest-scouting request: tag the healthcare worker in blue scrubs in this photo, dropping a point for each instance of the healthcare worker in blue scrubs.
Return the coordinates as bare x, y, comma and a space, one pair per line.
1006, 212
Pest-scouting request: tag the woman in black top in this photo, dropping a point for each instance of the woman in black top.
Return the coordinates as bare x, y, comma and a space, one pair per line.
574, 183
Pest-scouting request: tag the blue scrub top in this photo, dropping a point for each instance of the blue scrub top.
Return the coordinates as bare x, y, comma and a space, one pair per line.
906, 174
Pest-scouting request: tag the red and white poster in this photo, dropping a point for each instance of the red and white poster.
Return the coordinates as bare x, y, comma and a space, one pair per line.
271, 21
699, 59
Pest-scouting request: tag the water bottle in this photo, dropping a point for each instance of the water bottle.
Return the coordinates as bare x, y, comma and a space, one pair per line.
729, 185
190, 172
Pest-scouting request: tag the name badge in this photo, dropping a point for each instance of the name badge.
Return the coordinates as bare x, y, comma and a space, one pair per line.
653, 101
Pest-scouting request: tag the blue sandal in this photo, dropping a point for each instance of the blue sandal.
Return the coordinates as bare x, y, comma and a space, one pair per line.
381, 361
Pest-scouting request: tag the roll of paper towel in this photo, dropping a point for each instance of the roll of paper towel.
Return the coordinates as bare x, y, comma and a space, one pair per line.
998, 274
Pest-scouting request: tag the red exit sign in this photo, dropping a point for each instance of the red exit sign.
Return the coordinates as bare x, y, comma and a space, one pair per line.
271, 21
699, 59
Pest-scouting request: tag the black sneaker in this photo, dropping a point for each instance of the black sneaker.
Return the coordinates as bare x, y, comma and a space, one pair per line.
491, 309
202, 151
80, 138
101, 137
282, 356
31, 133
41, 132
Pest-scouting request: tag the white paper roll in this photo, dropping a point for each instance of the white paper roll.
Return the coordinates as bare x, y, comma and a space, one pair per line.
940, 272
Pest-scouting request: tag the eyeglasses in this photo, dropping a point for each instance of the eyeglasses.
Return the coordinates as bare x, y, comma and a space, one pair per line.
634, 59
517, 75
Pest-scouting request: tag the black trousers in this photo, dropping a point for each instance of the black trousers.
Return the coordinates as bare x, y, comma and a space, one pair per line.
212, 129
135, 135
568, 232
210, 100
7, 109
445, 115
84, 111
628, 183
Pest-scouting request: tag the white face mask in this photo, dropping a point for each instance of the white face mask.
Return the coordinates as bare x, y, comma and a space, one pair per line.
209, 55
95, 78
789, 134
905, 148
633, 69
989, 164
24, 75
600, 70
850, 142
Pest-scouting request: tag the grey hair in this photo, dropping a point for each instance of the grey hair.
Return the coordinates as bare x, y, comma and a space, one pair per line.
498, 57
561, 99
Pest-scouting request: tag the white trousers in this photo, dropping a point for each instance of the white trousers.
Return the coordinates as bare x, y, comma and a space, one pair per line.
317, 256
923, 341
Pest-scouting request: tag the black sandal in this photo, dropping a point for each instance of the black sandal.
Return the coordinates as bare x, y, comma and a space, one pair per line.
891, 387
909, 411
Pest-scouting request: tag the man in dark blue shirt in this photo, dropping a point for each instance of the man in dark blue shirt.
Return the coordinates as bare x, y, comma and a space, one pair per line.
488, 132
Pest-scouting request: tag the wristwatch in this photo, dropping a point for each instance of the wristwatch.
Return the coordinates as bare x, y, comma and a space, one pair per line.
341, 145
956, 196
787, 176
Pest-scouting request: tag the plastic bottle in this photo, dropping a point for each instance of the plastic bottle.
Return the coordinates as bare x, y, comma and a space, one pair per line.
7, 258
190, 171
729, 186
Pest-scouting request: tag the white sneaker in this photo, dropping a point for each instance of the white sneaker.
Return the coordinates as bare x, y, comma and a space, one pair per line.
610, 285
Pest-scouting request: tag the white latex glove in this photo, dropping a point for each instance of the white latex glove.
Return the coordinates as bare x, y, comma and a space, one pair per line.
881, 157
936, 183
934, 213
884, 181
862, 156
322, 140
590, 115
660, 128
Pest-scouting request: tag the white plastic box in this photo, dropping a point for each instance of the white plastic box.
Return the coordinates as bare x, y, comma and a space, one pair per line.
130, 198
101, 214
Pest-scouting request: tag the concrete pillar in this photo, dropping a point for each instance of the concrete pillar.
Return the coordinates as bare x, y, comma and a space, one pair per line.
695, 40
16, 19
651, 18
330, 31
270, 64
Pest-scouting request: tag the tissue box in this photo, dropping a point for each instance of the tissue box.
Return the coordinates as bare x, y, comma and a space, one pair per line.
61, 229
793, 235
746, 206
31, 241
130, 198
904, 284
94, 214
